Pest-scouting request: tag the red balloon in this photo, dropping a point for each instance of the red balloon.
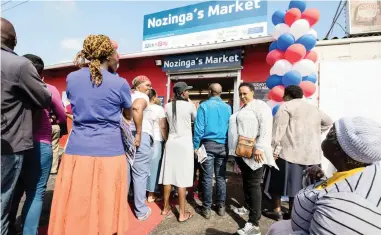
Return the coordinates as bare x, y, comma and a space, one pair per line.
312, 15
269, 96
292, 15
114, 44
295, 52
277, 93
273, 56
308, 88
311, 55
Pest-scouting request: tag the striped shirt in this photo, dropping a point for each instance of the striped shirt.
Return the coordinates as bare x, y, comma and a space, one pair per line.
351, 206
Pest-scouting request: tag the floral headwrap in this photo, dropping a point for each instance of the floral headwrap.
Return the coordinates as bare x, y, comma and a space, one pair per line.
96, 48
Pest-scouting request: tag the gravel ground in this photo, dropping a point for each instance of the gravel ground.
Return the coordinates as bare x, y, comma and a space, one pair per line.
227, 224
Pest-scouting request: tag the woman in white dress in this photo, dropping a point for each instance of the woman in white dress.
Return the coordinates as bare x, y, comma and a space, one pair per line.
177, 164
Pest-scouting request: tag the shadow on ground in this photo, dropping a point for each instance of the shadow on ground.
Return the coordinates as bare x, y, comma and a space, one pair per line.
227, 224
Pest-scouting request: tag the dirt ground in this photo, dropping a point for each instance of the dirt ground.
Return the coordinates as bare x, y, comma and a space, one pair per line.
227, 224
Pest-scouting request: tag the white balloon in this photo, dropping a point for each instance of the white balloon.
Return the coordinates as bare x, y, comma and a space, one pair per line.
313, 32
272, 103
281, 67
279, 30
305, 67
299, 28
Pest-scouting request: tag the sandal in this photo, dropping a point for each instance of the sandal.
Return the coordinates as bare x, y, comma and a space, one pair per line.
190, 215
168, 214
154, 199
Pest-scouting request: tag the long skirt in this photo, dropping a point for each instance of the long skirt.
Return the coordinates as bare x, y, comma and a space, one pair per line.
90, 196
288, 181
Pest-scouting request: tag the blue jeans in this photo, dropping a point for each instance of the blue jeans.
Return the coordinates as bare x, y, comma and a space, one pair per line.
215, 163
10, 170
139, 173
33, 181
152, 185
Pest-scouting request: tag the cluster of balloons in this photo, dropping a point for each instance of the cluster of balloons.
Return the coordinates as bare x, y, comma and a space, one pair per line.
292, 55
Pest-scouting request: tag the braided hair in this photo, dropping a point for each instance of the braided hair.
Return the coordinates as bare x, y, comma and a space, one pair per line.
96, 49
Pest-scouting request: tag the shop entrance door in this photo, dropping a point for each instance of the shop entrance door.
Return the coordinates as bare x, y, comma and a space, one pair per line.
201, 81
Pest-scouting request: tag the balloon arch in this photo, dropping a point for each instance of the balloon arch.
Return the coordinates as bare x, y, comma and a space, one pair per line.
292, 55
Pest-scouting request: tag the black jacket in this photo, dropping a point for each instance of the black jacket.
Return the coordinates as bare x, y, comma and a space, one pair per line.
22, 91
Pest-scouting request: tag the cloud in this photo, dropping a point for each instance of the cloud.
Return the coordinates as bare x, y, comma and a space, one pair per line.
64, 61
65, 7
71, 43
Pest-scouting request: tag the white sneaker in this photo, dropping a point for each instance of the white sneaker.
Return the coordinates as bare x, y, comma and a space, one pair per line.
249, 229
144, 217
241, 211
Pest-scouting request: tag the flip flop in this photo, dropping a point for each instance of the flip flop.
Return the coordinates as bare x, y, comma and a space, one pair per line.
168, 214
189, 217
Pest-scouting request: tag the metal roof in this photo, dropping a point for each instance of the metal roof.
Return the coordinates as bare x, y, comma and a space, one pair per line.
238, 43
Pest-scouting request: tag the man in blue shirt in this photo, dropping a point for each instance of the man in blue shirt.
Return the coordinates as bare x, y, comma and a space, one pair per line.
210, 130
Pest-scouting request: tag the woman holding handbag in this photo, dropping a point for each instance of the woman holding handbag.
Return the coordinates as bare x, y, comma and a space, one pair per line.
250, 142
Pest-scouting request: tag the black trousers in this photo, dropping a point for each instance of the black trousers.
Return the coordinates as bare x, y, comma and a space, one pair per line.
252, 190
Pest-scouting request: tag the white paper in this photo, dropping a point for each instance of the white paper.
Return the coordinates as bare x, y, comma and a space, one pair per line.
201, 154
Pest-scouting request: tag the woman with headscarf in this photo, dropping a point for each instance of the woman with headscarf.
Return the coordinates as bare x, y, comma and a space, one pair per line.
142, 129
349, 202
90, 192
252, 122
177, 164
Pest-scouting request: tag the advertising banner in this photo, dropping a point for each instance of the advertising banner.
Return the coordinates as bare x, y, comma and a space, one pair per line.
364, 16
203, 61
205, 23
260, 91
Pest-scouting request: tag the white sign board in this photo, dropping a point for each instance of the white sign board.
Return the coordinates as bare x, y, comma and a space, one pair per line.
351, 88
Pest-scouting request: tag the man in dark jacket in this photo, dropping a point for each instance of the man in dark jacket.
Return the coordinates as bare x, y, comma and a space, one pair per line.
22, 92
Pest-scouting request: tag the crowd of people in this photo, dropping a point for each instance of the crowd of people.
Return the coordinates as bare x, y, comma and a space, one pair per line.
94, 176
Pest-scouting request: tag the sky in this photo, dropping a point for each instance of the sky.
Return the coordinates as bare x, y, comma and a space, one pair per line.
55, 30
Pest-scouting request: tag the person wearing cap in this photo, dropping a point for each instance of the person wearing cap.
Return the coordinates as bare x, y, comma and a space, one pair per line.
178, 164
142, 129
210, 130
349, 201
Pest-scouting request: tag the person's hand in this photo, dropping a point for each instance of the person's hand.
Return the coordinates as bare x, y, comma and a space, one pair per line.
276, 156
315, 173
53, 118
258, 155
138, 139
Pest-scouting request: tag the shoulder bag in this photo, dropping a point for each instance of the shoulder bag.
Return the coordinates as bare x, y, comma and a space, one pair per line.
245, 145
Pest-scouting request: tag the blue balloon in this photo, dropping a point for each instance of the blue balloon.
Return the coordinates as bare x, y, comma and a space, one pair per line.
308, 41
273, 81
285, 40
273, 46
300, 4
275, 109
278, 17
291, 78
312, 78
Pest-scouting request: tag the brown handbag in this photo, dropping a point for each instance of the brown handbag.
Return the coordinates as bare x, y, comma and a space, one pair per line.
245, 145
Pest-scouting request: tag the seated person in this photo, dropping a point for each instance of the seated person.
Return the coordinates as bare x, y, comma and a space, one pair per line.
348, 202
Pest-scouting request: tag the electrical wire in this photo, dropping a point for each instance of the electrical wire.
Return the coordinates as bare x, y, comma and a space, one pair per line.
333, 20
15, 6
342, 8
6, 2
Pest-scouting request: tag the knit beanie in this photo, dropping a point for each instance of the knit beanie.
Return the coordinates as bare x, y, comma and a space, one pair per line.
360, 138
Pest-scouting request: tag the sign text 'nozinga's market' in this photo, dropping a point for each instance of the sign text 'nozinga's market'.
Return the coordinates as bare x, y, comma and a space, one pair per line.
206, 60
